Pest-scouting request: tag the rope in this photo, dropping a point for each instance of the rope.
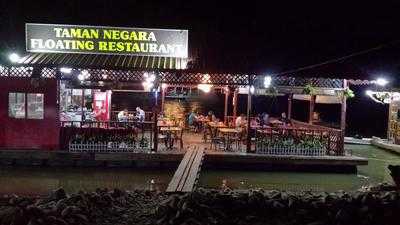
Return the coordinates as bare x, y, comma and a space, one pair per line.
338, 59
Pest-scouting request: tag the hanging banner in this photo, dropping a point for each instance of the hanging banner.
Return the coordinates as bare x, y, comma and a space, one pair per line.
83, 39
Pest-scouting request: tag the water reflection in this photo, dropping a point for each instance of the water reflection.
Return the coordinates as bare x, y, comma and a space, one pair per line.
39, 181
375, 172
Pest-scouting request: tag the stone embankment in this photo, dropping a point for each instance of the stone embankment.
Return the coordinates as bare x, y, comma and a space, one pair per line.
377, 205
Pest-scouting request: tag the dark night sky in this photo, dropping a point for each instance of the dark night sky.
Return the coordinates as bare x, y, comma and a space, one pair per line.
266, 37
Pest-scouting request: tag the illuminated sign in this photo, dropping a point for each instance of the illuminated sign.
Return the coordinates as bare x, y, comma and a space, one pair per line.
106, 40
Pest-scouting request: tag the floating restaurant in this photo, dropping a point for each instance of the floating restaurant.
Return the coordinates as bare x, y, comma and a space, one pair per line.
59, 99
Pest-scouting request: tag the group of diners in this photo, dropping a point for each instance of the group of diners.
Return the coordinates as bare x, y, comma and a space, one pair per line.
235, 130
125, 116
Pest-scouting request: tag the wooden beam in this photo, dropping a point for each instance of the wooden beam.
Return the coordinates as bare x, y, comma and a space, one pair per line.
234, 102
163, 98
311, 110
343, 109
226, 105
248, 142
155, 128
290, 98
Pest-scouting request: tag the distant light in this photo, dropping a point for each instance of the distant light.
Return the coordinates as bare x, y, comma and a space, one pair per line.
267, 81
81, 77
65, 70
14, 57
85, 73
369, 92
147, 85
381, 81
164, 86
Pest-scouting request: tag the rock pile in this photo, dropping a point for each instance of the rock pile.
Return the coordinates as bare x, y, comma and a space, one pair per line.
375, 206
99, 207
273, 207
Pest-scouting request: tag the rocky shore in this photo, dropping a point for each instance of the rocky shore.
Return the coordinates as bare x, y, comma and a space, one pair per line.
376, 206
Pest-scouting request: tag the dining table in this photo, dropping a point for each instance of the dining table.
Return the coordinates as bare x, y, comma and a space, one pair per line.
230, 135
170, 131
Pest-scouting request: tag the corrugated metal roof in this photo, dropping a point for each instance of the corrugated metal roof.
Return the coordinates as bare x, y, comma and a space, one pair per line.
104, 61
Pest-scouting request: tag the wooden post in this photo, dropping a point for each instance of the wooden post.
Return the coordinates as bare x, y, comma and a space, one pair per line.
234, 102
343, 110
311, 111
162, 98
155, 129
226, 105
248, 143
290, 98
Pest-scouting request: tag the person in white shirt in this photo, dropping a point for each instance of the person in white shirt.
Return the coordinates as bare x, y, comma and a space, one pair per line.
240, 121
140, 114
123, 116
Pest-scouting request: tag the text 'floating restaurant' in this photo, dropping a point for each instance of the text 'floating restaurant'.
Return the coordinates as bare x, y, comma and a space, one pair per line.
59, 96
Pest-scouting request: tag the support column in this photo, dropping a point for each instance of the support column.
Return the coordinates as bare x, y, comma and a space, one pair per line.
162, 98
234, 102
226, 105
311, 111
289, 113
248, 143
343, 110
155, 128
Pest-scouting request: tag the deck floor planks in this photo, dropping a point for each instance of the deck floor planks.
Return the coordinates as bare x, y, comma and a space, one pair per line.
186, 175
176, 179
194, 172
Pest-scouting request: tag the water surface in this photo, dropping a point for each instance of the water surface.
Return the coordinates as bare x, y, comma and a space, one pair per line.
375, 172
41, 180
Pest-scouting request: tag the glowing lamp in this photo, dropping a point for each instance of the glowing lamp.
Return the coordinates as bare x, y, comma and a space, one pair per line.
14, 57
267, 81
381, 81
65, 70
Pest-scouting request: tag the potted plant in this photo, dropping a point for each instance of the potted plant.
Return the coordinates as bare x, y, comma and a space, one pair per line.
309, 90
348, 93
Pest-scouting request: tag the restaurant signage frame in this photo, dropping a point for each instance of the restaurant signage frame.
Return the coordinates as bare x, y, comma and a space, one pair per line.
85, 39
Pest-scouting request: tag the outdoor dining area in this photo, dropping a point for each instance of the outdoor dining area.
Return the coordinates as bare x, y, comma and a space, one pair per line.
139, 131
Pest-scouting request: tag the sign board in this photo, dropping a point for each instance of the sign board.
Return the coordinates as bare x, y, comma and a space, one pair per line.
84, 39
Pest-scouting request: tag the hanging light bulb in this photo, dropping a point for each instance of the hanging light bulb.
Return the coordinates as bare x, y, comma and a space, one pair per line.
204, 87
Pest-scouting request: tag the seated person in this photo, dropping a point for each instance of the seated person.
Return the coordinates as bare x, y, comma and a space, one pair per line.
240, 121
123, 116
140, 114
264, 119
254, 122
284, 119
211, 117
192, 120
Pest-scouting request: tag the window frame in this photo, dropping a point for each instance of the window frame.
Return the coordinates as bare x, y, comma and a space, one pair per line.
26, 105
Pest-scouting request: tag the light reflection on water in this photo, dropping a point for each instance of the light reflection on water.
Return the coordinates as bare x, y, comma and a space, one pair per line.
41, 180
375, 172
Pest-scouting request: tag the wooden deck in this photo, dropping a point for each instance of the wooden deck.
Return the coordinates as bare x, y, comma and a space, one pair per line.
172, 157
187, 174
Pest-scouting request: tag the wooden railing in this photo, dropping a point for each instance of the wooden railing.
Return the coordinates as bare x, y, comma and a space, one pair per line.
108, 136
300, 139
336, 136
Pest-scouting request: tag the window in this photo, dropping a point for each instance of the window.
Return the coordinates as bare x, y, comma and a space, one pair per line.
16, 105
25, 105
35, 106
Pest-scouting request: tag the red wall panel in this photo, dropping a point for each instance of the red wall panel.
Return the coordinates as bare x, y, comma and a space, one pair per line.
29, 133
